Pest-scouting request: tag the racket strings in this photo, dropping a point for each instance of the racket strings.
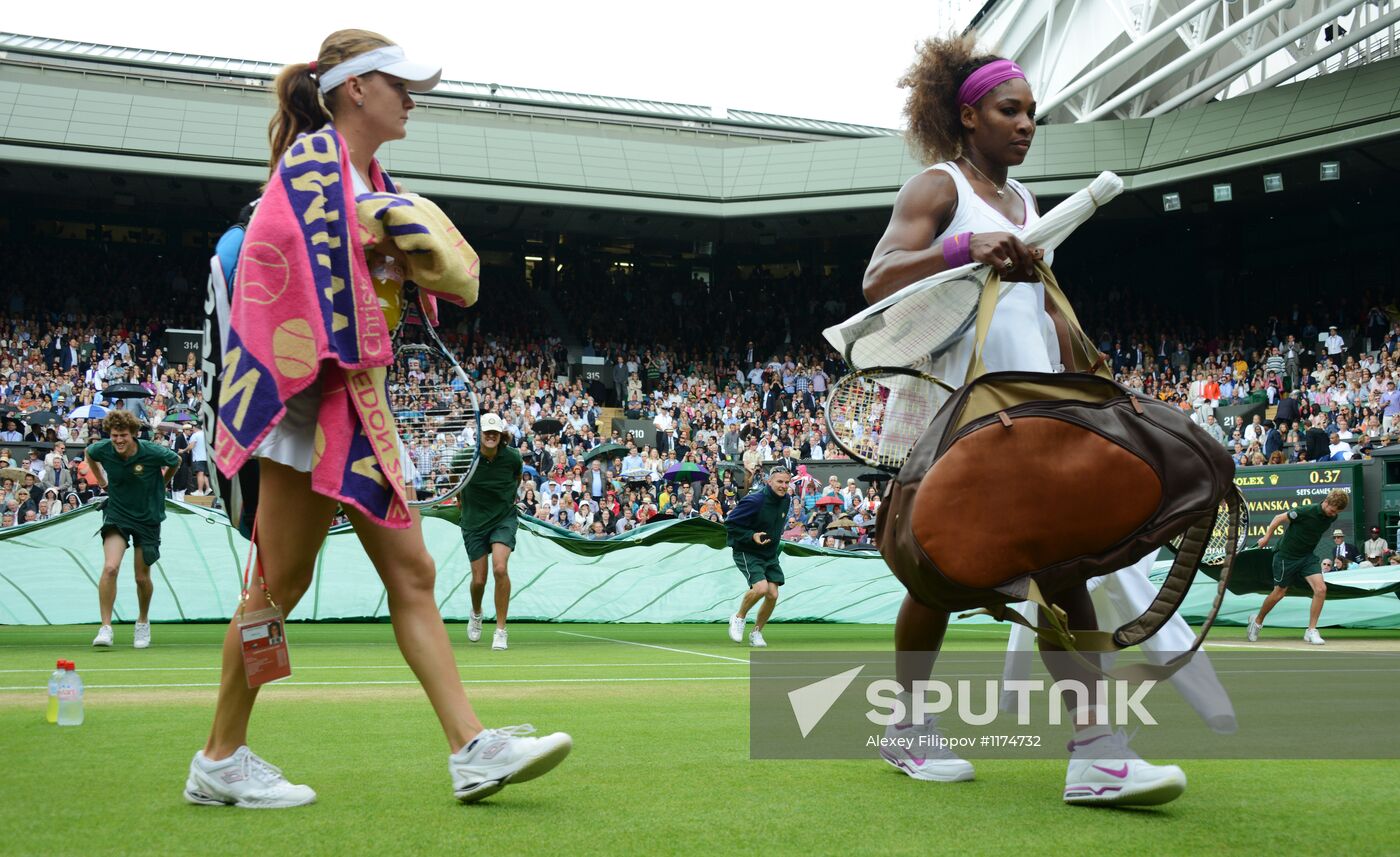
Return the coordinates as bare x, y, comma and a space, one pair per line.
879, 417
436, 420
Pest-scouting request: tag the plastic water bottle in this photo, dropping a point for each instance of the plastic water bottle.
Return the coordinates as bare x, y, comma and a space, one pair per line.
70, 697
51, 715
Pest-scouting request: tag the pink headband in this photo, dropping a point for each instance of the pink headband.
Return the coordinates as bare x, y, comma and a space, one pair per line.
987, 78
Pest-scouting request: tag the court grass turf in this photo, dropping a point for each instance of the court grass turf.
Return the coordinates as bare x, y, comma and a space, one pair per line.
659, 766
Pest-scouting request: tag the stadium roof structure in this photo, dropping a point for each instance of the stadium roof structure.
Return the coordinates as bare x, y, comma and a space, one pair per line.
1126, 59
68, 106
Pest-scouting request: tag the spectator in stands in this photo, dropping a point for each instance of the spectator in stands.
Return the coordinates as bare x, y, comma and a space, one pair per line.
1375, 548
1335, 345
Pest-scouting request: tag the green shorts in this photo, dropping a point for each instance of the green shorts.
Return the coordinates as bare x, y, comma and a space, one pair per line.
755, 568
478, 542
1291, 570
150, 548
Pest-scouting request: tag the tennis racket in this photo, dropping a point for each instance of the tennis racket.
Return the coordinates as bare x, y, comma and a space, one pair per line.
876, 415
921, 326
439, 422
1220, 534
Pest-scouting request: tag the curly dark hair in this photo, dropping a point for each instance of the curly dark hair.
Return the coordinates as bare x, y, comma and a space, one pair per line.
935, 127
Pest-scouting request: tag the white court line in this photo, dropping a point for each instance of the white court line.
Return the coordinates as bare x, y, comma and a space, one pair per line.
464, 666
650, 646
413, 682
1267, 646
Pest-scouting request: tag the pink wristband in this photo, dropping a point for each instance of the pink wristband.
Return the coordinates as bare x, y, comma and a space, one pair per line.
957, 250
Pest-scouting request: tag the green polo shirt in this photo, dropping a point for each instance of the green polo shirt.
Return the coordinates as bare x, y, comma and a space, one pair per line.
489, 498
1306, 526
135, 485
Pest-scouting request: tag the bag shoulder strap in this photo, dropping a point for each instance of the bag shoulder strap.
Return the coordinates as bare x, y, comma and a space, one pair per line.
1152, 620
1083, 356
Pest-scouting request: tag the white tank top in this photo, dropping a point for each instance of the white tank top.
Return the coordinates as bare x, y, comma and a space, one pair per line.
1022, 336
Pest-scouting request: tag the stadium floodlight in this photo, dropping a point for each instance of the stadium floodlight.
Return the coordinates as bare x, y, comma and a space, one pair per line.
1223, 192
1329, 171
1171, 202
534, 258
1273, 182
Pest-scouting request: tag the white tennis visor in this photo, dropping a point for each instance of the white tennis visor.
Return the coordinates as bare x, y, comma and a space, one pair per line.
390, 60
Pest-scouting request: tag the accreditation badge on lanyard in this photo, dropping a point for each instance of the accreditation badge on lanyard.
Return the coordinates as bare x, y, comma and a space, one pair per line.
262, 634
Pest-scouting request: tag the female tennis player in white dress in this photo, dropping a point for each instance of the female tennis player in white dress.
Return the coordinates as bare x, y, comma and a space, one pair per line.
973, 117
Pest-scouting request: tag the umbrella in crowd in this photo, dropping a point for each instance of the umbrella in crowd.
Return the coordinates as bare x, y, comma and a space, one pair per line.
605, 451
41, 418
88, 412
636, 474
179, 417
686, 471
532, 472
840, 534
842, 522
7, 411
126, 391
546, 426
14, 474
874, 478
830, 500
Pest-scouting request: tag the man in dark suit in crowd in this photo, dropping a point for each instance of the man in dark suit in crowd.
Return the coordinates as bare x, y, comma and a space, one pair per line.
1344, 553
1287, 409
1273, 437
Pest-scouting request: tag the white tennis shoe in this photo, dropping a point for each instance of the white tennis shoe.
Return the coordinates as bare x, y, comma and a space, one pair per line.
141, 637
243, 779
756, 639
923, 753
1104, 771
474, 627
104, 636
499, 757
1312, 636
1251, 631
498, 640
736, 628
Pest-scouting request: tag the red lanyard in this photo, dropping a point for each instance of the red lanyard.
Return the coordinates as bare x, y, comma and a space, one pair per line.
247, 569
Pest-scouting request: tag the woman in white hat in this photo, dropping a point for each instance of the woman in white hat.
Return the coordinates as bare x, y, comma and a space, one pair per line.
333, 115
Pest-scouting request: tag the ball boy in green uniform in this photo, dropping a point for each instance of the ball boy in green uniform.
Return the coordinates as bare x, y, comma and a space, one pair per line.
135, 473
489, 521
1295, 559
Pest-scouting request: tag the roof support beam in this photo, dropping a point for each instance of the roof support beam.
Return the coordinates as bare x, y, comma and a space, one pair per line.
1337, 46
1244, 62
1150, 38
1200, 54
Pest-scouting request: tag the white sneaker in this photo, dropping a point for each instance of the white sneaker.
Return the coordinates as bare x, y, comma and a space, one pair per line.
736, 628
1104, 771
498, 757
498, 640
141, 638
756, 639
1251, 631
474, 627
104, 636
242, 779
1312, 636
923, 753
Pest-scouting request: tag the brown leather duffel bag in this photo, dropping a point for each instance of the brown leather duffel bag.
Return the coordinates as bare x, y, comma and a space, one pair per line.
1026, 483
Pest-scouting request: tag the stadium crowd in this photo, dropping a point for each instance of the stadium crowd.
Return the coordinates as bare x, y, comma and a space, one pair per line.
735, 385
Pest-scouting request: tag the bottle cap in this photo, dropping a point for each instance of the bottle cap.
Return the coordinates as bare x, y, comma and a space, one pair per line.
72, 666
59, 665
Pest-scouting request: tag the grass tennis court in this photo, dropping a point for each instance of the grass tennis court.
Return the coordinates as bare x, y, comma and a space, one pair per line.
660, 722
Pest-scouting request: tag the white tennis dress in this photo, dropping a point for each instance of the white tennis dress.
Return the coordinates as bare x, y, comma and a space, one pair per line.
1022, 336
